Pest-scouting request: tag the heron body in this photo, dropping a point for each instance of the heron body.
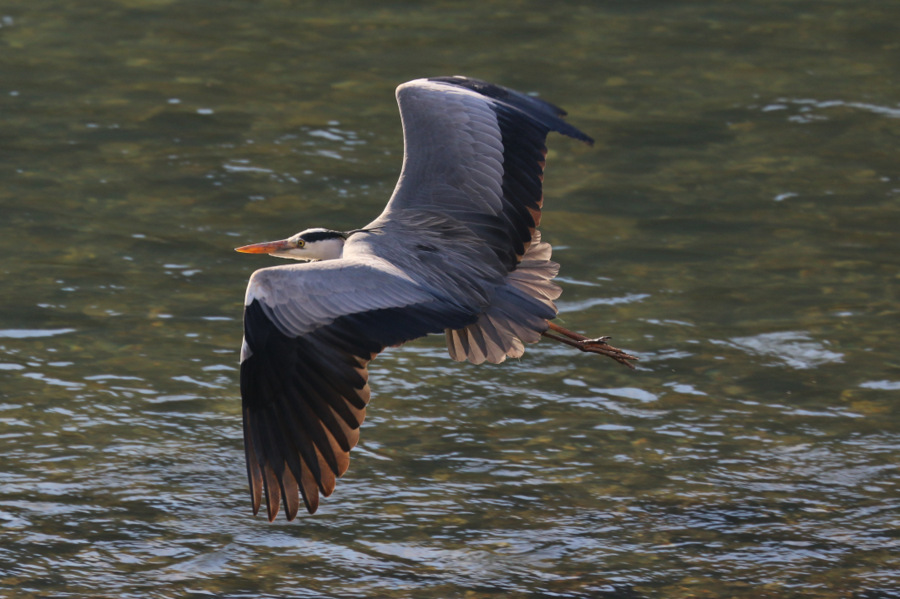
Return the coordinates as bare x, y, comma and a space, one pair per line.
456, 250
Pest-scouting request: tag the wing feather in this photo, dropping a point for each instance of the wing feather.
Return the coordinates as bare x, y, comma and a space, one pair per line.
290, 492
451, 247
471, 146
309, 332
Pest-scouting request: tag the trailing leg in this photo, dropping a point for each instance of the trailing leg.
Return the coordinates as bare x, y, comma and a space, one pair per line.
597, 345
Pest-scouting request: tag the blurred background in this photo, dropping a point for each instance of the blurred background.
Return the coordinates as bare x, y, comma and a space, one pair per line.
735, 226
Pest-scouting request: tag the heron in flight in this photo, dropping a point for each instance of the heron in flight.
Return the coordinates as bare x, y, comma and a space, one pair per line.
456, 250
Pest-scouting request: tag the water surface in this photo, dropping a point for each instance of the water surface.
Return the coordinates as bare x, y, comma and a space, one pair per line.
735, 225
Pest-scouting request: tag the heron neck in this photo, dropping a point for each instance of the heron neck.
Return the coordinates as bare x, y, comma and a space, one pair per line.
327, 249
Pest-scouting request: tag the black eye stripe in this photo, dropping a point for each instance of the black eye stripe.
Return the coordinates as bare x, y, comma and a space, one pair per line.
322, 235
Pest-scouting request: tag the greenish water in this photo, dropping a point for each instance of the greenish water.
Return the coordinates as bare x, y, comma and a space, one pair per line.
735, 226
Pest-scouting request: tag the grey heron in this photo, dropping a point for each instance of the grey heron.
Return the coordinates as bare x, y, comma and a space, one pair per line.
456, 250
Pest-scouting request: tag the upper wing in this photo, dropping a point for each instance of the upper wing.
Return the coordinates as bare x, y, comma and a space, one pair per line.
309, 332
475, 151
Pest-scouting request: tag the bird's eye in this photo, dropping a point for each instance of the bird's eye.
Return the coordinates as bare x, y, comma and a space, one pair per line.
301, 243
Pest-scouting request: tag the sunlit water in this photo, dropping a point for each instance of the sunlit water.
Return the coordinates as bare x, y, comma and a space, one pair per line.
735, 226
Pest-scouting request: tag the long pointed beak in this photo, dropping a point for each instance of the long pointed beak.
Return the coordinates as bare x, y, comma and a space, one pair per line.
267, 247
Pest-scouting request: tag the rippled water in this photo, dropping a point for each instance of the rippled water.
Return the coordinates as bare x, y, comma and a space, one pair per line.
735, 226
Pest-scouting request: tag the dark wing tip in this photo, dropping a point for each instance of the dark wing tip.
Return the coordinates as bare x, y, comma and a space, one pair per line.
549, 115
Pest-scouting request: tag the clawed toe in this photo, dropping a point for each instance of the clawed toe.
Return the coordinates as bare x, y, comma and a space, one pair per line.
597, 345
600, 346
599, 340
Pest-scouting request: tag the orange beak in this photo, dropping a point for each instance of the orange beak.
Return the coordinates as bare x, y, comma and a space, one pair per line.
266, 247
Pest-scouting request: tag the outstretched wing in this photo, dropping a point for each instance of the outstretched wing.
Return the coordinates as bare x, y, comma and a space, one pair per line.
461, 218
309, 332
475, 151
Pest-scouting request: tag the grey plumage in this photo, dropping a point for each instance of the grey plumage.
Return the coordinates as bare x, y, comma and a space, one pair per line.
456, 250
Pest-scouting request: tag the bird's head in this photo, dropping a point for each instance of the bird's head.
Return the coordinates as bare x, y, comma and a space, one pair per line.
311, 244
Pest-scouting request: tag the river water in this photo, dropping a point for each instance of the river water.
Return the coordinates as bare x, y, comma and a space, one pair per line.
735, 225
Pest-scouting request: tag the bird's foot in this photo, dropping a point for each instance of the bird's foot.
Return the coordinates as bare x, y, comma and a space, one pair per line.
597, 345
600, 346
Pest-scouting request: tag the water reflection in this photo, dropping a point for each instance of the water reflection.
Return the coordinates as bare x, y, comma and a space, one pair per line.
794, 348
735, 226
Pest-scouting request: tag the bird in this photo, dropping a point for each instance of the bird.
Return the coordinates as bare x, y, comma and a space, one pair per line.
456, 250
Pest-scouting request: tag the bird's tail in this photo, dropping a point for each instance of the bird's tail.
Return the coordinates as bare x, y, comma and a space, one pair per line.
518, 313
